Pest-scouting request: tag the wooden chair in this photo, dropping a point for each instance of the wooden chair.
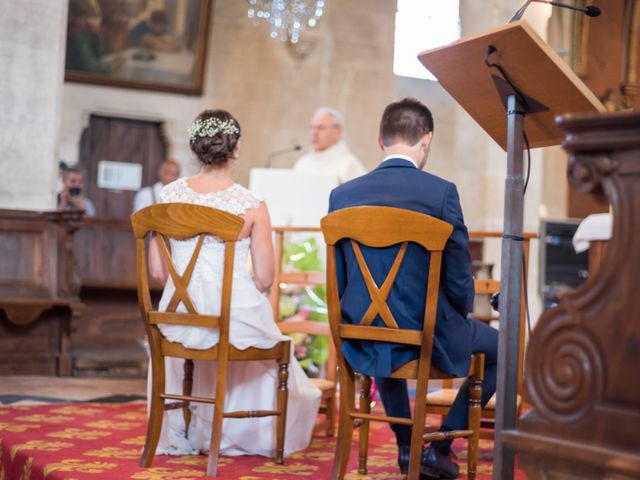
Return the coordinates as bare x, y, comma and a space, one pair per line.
382, 227
181, 221
327, 384
439, 402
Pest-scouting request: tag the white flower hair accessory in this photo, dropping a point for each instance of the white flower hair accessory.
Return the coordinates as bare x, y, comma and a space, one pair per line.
210, 127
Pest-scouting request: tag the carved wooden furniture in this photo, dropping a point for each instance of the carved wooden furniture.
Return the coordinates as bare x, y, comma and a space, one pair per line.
382, 227
39, 285
182, 221
440, 401
583, 358
326, 385
597, 249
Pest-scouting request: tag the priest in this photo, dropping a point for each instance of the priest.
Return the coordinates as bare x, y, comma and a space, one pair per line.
329, 153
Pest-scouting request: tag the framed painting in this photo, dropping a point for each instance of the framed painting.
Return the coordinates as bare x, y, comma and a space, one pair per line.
143, 44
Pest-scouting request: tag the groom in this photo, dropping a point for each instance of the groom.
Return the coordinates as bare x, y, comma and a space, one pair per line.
406, 130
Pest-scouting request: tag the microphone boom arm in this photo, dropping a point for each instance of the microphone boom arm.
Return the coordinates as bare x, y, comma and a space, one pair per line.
589, 10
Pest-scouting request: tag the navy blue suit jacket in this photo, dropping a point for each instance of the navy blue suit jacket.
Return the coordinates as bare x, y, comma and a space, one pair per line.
398, 183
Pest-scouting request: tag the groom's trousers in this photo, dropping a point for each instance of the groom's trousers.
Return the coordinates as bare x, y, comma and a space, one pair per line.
395, 395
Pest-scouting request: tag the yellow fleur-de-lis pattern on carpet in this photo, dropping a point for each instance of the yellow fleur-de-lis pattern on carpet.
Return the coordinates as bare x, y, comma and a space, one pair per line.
39, 445
80, 434
104, 441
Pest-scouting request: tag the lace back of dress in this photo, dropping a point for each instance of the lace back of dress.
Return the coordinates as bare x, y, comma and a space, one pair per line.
235, 199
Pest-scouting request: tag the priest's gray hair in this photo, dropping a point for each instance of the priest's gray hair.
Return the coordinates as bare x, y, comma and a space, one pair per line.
337, 116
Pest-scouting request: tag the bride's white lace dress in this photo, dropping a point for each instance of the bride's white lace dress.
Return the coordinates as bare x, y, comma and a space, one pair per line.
251, 385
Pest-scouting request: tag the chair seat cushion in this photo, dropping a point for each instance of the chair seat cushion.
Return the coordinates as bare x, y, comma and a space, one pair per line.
323, 384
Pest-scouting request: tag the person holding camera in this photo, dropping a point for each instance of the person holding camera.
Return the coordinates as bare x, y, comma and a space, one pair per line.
71, 197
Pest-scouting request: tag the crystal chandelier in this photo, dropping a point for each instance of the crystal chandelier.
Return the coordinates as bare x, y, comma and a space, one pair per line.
287, 19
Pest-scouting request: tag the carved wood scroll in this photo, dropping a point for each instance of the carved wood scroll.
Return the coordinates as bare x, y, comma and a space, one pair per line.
583, 360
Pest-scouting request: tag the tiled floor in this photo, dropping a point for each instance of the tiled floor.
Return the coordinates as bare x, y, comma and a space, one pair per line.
37, 389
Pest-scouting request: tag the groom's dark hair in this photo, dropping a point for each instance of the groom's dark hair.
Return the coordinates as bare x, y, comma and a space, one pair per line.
406, 121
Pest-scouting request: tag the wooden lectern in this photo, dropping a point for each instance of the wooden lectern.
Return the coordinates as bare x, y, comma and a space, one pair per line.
514, 85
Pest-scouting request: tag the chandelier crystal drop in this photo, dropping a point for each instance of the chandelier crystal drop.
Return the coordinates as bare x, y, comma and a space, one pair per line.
287, 19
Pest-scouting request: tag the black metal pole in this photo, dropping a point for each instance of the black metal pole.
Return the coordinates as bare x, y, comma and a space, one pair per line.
510, 291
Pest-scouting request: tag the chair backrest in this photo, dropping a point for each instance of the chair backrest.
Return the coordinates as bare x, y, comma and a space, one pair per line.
182, 221
381, 227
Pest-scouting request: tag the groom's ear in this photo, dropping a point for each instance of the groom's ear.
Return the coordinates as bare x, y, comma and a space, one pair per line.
380, 144
426, 140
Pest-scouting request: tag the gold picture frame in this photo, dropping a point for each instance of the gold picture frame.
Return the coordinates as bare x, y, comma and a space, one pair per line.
142, 44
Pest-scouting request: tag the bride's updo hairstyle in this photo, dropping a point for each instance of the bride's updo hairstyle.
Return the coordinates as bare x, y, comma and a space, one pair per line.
213, 137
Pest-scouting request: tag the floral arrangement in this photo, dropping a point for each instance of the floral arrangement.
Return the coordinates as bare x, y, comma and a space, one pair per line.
308, 302
210, 127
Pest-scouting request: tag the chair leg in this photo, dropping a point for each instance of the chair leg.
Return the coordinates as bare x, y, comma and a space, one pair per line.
417, 429
153, 430
218, 416
330, 414
475, 412
363, 437
187, 388
345, 424
283, 395
156, 412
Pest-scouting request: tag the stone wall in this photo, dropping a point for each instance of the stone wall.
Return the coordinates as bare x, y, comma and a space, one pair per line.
32, 42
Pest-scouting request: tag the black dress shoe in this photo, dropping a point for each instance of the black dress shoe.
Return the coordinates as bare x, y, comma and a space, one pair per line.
403, 462
403, 458
438, 465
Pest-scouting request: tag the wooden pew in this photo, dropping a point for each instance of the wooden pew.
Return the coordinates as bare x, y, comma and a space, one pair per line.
110, 337
39, 286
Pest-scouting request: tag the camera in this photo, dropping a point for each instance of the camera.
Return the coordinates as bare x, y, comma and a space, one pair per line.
495, 301
75, 191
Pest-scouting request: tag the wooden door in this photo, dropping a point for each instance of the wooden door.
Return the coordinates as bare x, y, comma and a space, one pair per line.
119, 140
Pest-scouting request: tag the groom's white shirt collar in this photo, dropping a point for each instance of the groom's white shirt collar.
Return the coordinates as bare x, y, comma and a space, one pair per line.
403, 157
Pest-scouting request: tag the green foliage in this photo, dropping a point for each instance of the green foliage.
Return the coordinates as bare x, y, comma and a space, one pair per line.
306, 301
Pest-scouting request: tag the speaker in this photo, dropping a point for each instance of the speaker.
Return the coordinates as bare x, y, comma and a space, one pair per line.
561, 267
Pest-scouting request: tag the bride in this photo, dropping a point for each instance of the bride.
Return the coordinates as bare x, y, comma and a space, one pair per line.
214, 139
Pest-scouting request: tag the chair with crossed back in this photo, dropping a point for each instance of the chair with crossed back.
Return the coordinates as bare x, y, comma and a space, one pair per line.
326, 385
381, 227
295, 325
183, 221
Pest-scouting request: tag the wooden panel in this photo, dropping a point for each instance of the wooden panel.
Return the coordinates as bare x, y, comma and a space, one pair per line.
38, 291
105, 250
25, 267
29, 349
109, 336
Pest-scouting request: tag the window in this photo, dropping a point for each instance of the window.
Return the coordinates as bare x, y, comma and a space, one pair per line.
422, 25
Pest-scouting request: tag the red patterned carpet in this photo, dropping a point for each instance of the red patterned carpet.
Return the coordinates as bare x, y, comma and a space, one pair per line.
103, 441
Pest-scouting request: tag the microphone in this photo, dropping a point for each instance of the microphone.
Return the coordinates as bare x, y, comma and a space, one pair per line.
277, 153
589, 10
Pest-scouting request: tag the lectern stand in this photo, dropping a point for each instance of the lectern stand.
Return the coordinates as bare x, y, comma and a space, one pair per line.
529, 89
